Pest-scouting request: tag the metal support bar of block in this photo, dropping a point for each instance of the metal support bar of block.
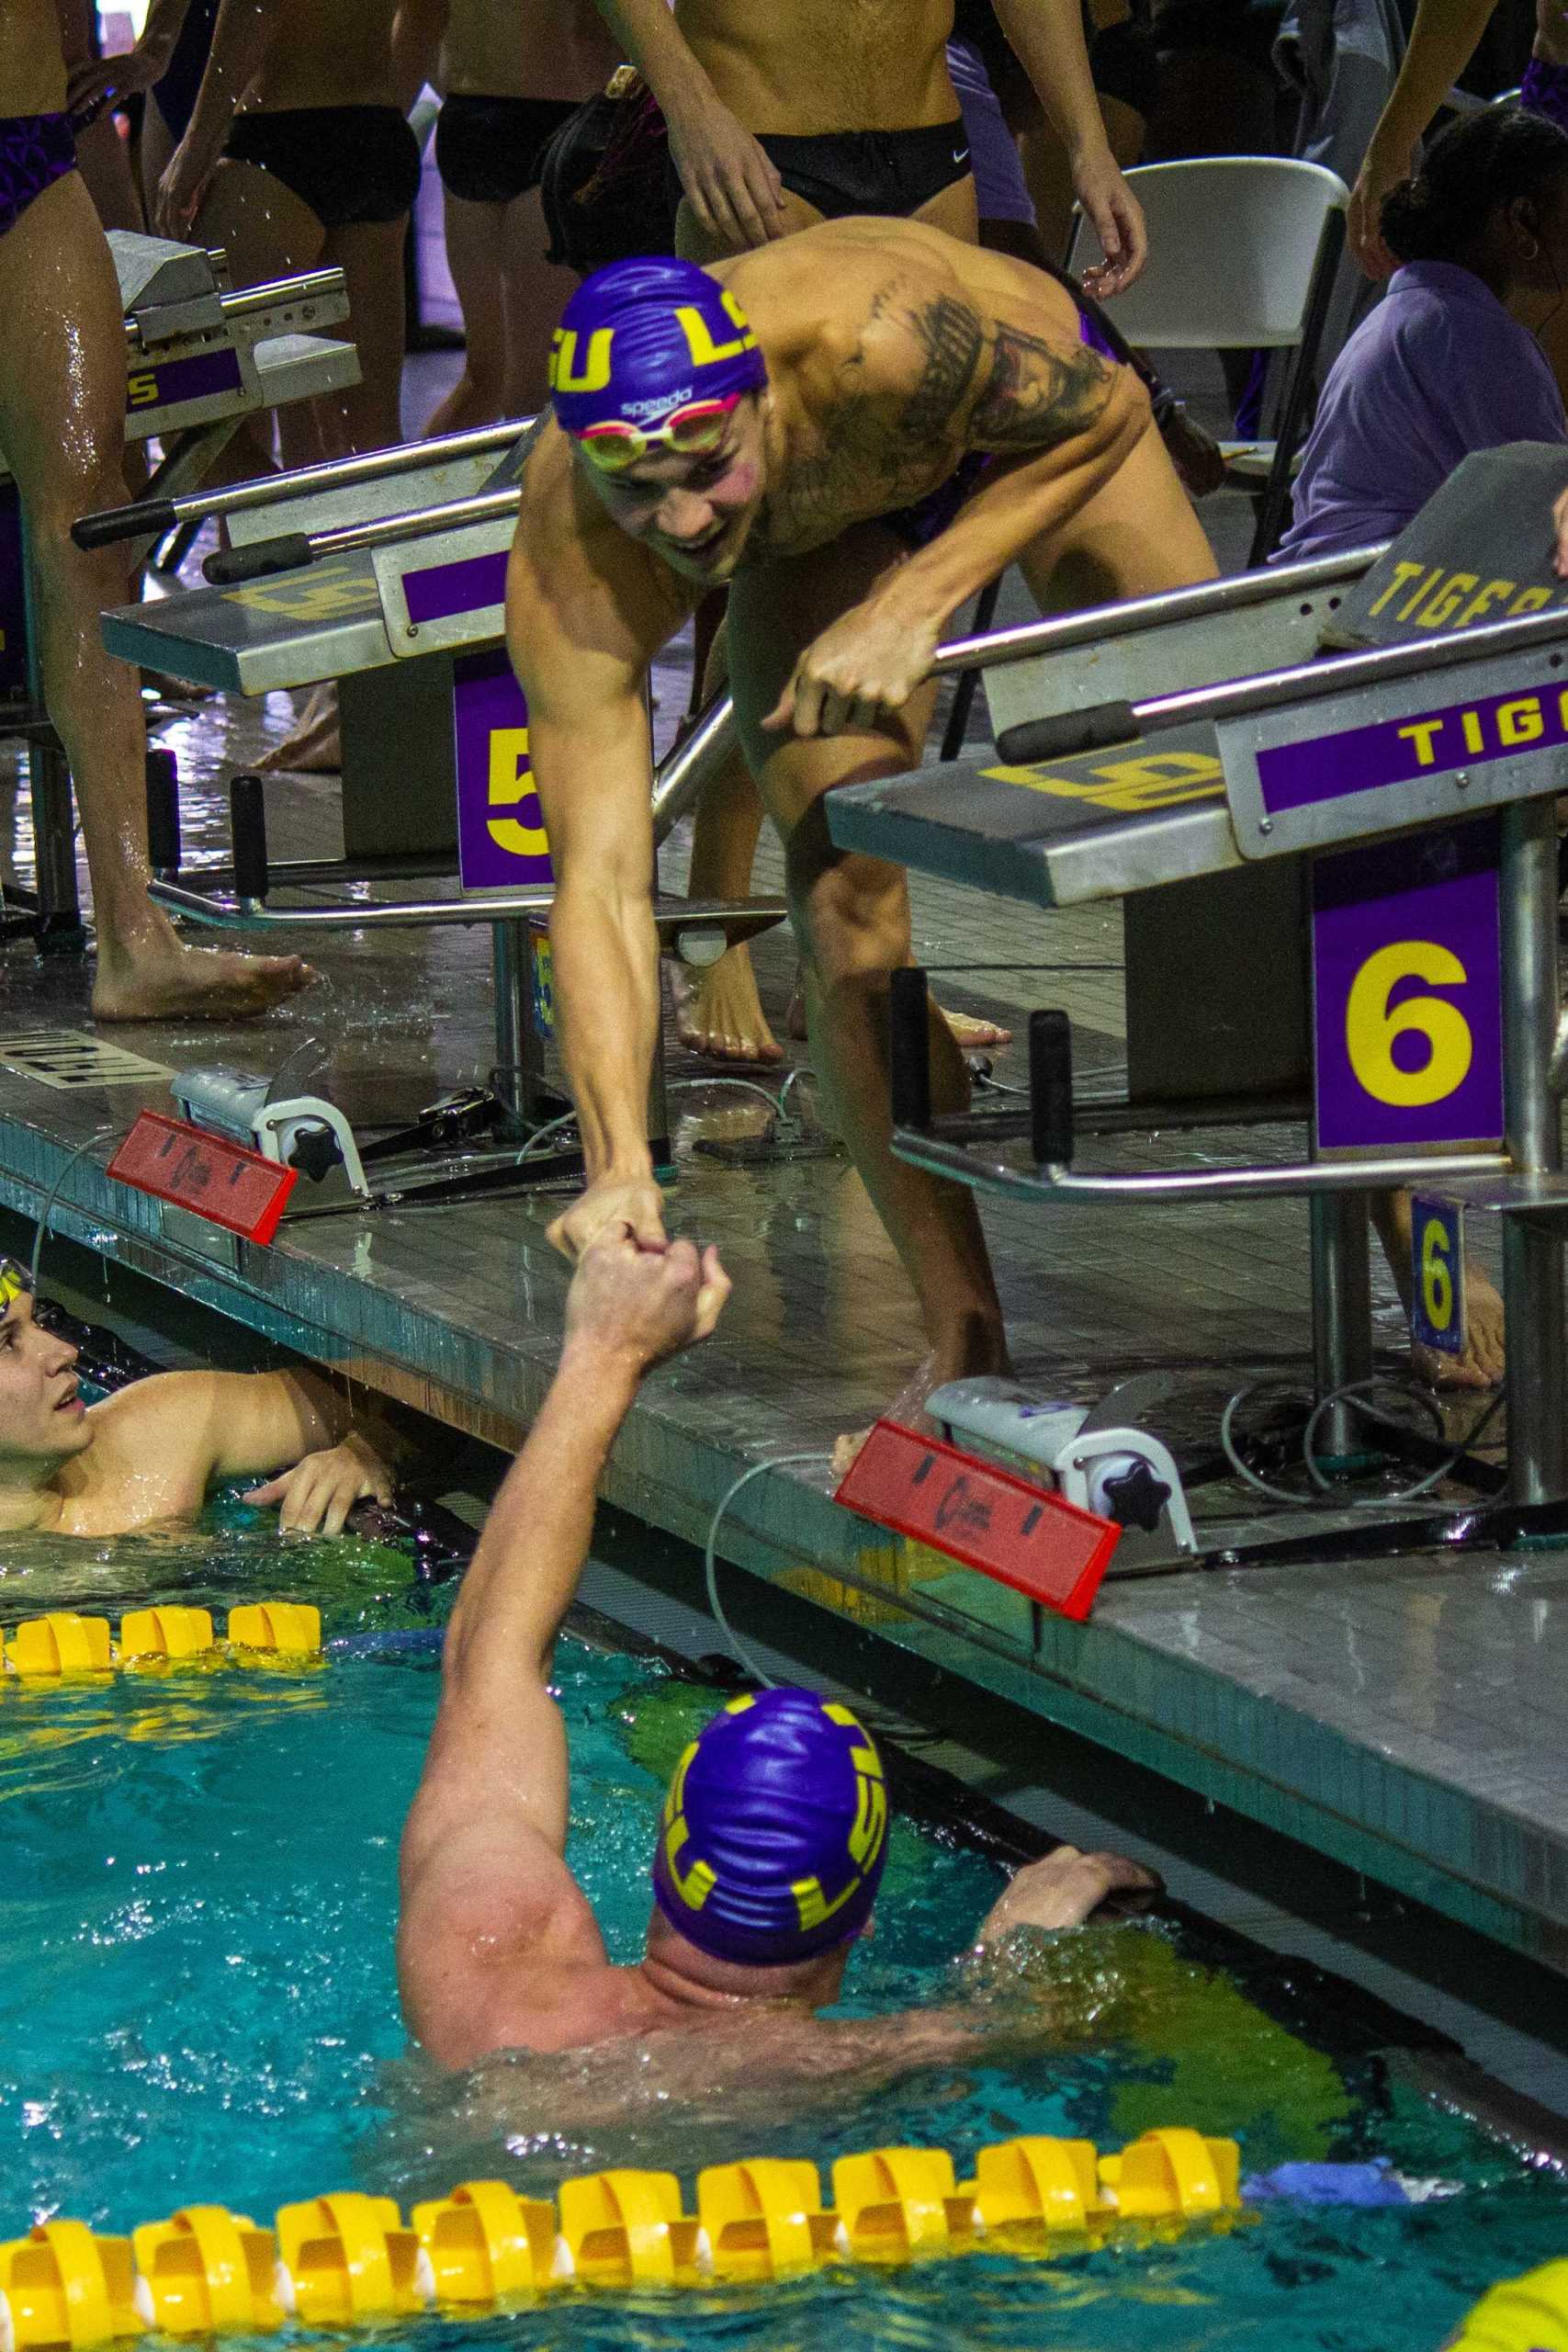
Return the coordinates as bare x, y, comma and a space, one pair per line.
1532, 1248
1341, 1307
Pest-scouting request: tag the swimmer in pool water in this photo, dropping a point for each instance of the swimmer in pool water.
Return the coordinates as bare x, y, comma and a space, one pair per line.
773, 1837
148, 1453
856, 427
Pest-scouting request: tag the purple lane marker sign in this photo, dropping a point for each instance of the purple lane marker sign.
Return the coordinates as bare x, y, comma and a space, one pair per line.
1408, 992
501, 827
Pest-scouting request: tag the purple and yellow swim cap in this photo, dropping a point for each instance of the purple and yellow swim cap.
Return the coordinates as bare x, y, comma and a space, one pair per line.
774, 1830
643, 337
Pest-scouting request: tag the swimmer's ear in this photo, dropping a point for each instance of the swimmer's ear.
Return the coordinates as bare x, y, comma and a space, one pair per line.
869, 1929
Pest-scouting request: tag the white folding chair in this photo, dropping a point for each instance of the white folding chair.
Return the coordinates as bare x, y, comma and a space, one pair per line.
1242, 254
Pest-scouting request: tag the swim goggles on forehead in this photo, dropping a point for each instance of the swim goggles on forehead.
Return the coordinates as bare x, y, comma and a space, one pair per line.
16, 1281
691, 432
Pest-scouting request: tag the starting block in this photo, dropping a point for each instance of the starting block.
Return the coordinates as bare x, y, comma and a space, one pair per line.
1389, 808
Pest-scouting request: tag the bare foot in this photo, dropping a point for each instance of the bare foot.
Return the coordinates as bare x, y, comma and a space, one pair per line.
720, 1016
1482, 1363
173, 982
972, 1035
908, 1408
313, 747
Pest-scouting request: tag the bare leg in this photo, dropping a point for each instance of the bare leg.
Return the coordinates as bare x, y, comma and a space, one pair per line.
371, 258
61, 412
1482, 1364
473, 255
851, 919
1136, 537
536, 293
721, 1014
268, 232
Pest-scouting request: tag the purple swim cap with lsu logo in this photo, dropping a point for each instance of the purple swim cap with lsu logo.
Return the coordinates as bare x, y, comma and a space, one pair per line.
775, 1831
642, 338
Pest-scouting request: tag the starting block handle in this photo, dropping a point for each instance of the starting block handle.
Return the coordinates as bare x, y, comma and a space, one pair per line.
1050, 1088
149, 518
1066, 732
289, 553
909, 1050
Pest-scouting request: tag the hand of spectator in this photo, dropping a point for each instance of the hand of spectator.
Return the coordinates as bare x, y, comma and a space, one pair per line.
1118, 221
633, 1205
640, 1305
99, 80
317, 1494
736, 193
1379, 173
180, 193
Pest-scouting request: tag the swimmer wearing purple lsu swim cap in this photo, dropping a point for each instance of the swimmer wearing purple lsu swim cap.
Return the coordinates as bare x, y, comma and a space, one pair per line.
769, 1852
654, 359
775, 1831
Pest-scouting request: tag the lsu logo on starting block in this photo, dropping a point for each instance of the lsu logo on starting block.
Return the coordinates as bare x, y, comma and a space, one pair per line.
1127, 786
592, 373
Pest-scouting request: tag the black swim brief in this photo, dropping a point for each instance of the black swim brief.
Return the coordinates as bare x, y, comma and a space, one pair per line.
353, 165
36, 150
488, 150
930, 516
890, 171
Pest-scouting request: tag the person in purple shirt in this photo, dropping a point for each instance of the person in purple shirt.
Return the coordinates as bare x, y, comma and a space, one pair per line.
1451, 358
1449, 361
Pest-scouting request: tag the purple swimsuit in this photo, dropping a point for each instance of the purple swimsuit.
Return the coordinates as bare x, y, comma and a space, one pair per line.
36, 150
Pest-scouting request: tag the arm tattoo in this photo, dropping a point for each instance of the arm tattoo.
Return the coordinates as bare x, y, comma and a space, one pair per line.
950, 338
1037, 394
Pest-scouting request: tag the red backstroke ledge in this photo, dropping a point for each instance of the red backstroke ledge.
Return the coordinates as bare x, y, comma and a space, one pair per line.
1021, 1534
206, 1174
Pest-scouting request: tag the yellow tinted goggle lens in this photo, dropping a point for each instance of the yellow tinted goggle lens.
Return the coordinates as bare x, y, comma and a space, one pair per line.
14, 1282
690, 432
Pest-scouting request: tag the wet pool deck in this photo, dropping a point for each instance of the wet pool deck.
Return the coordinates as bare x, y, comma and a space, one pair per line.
1408, 1718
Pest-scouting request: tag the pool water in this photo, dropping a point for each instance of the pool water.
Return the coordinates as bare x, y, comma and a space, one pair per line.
197, 2004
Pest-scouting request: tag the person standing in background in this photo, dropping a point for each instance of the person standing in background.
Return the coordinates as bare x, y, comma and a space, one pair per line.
511, 71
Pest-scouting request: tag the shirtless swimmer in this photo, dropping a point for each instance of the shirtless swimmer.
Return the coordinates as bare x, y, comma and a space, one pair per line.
857, 427
148, 1453
775, 1831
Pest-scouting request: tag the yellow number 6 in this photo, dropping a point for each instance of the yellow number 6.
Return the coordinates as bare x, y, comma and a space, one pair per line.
508, 783
1371, 1027
1437, 1276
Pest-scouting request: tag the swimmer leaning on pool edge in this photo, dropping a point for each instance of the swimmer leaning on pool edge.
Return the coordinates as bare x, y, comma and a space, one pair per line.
148, 1453
856, 427
773, 1834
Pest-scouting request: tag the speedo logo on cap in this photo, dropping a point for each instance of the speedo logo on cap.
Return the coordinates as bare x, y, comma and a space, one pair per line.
657, 406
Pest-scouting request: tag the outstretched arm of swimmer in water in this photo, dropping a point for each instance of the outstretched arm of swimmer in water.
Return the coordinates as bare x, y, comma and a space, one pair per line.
940, 367
497, 1946
586, 611
228, 1424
